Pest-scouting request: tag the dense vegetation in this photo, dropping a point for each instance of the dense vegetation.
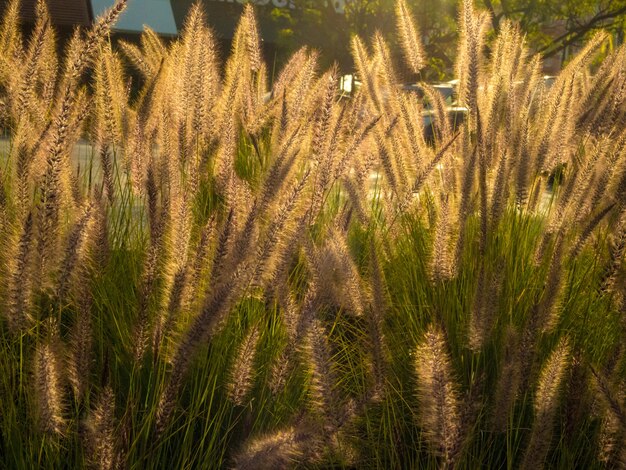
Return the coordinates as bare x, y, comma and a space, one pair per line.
553, 28
301, 280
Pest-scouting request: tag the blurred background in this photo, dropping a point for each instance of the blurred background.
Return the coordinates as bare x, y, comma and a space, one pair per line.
554, 28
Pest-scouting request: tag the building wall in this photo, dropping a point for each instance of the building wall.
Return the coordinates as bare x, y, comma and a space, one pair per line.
62, 12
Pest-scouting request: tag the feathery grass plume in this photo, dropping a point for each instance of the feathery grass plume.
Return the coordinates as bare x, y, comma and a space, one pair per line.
283, 449
353, 145
153, 47
281, 368
482, 186
597, 95
410, 38
438, 113
410, 115
73, 248
217, 303
81, 336
281, 168
287, 251
589, 227
613, 115
300, 87
3, 199
386, 74
549, 306
20, 278
572, 195
439, 412
100, 237
48, 383
223, 248
617, 249
146, 59
469, 61
292, 72
399, 162
613, 399
546, 403
292, 69
613, 428
508, 383
606, 169
278, 230
226, 177
558, 128
611, 442
65, 122
320, 141
136, 57
466, 194
385, 158
351, 292
485, 305
519, 112
166, 320
297, 320
252, 39
375, 314
197, 86
367, 68
241, 375
553, 103
357, 199
175, 269
522, 172
441, 268
101, 442
584, 57
206, 90
22, 85
153, 211
80, 52
270, 190
498, 194
613, 110
324, 394
158, 224
235, 84
423, 175
507, 58
110, 97
50, 194
107, 173
199, 260
578, 397
145, 294
10, 34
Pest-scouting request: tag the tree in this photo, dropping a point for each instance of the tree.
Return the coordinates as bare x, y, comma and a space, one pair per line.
553, 26
318, 24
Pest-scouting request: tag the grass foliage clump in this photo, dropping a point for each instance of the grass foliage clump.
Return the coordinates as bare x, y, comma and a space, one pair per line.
296, 280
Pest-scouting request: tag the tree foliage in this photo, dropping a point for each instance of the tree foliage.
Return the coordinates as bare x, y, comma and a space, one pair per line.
553, 27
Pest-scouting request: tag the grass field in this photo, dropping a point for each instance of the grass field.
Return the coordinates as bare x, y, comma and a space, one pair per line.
231, 287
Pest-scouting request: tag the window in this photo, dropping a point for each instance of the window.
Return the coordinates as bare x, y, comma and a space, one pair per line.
157, 14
